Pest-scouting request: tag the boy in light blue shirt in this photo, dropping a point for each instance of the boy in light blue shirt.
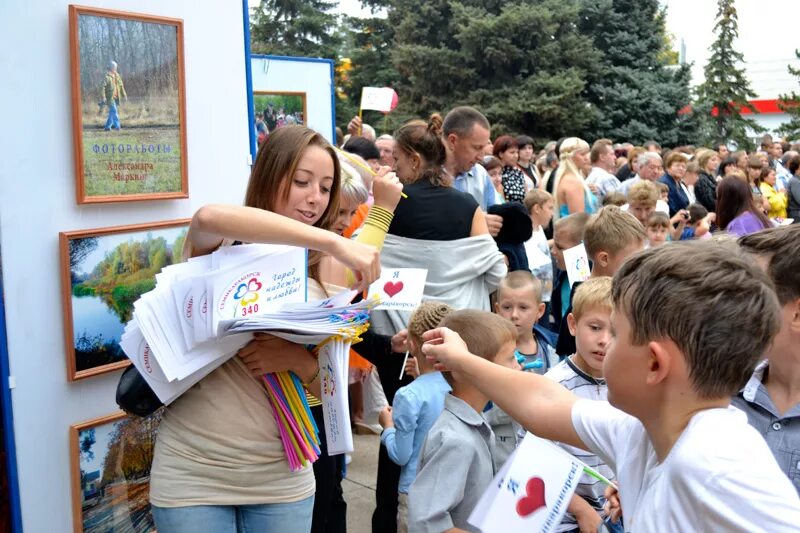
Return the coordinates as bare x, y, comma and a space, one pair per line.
415, 407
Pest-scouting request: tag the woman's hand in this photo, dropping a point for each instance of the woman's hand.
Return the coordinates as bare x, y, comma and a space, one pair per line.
445, 348
362, 259
267, 354
386, 189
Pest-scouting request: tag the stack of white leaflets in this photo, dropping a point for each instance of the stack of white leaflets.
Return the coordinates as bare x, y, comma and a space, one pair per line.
172, 337
203, 311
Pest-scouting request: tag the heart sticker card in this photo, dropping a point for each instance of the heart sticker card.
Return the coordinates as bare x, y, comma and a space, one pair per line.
531, 492
399, 288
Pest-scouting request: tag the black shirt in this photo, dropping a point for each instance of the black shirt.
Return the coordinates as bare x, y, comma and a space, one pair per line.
434, 213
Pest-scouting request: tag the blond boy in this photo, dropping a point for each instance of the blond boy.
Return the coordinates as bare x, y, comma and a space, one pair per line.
582, 374
610, 237
540, 205
685, 460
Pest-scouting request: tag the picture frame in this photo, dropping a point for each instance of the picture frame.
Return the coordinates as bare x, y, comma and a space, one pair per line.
283, 107
128, 106
110, 460
103, 272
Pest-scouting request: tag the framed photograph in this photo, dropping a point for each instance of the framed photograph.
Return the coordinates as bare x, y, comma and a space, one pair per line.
278, 109
110, 465
103, 272
128, 106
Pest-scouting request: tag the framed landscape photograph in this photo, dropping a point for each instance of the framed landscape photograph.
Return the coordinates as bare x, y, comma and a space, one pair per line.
110, 464
103, 272
275, 110
128, 106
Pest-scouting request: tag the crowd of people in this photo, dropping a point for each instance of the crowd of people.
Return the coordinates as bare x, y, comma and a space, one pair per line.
692, 307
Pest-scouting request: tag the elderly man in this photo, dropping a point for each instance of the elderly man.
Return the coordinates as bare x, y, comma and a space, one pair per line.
385, 144
111, 91
465, 133
650, 168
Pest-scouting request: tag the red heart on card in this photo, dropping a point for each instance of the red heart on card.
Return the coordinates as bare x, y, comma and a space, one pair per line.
391, 288
533, 499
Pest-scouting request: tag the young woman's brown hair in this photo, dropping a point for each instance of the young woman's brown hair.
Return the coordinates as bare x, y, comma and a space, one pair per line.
271, 178
425, 140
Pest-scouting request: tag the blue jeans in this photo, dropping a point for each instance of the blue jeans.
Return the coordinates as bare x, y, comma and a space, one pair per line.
113, 116
292, 517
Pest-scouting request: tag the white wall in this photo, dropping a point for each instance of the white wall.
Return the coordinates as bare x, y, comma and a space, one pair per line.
296, 75
37, 200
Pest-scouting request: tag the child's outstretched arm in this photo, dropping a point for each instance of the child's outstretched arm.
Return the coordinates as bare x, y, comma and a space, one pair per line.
213, 223
541, 405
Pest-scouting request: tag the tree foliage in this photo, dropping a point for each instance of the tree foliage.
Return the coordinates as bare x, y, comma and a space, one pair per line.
303, 28
638, 95
790, 104
726, 89
523, 63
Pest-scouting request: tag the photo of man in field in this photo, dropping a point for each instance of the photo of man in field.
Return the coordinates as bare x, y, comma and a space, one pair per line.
130, 79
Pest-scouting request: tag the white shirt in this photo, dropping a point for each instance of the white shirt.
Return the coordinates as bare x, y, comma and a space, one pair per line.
719, 476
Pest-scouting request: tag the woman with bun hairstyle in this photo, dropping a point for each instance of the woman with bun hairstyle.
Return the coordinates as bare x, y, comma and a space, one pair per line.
571, 193
219, 465
440, 229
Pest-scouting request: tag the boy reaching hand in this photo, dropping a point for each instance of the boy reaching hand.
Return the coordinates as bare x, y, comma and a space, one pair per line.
684, 458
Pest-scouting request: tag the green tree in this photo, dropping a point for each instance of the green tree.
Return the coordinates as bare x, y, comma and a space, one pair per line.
303, 28
726, 89
790, 104
638, 95
523, 63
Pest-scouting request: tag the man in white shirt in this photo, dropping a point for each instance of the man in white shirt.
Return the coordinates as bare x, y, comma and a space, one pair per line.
603, 163
684, 458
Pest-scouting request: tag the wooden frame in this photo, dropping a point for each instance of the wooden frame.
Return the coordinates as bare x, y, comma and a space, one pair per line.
107, 291
289, 94
122, 491
137, 162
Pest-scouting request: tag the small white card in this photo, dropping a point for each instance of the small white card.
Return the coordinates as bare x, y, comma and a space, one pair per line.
531, 492
399, 288
577, 264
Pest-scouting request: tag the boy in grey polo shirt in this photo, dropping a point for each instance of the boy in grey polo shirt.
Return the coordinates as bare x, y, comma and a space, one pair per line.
456, 464
771, 398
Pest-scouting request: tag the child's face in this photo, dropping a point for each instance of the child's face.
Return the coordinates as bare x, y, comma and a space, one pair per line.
561, 242
506, 357
542, 214
665, 196
520, 306
615, 260
656, 235
497, 177
625, 367
592, 337
641, 210
346, 212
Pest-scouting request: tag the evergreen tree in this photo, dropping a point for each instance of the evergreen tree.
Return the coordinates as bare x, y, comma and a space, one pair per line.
790, 104
726, 90
637, 93
304, 28
523, 63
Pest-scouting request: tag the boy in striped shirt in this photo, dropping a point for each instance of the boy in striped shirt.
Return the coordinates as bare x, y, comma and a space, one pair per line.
582, 374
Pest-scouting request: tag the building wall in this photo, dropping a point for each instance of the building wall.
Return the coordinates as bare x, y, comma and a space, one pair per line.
37, 201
